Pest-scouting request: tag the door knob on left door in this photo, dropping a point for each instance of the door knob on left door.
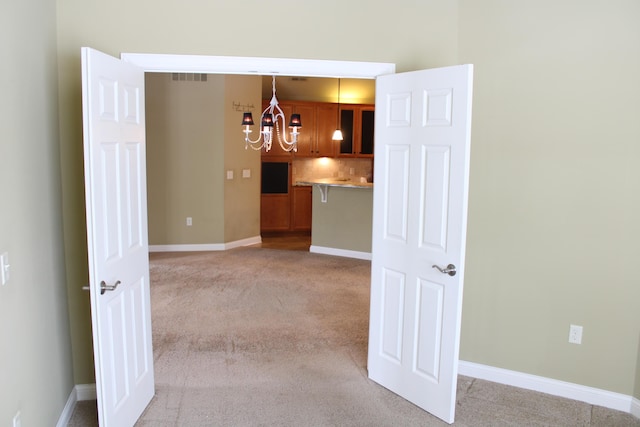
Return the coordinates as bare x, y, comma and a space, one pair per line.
449, 269
104, 287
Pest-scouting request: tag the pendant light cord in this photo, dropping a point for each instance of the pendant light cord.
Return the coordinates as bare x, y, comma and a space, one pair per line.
338, 113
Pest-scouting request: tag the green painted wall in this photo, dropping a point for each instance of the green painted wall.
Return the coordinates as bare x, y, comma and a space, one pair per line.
344, 221
553, 195
241, 195
185, 159
36, 375
193, 138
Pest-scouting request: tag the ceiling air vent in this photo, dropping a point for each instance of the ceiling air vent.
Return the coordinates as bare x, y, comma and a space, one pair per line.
188, 77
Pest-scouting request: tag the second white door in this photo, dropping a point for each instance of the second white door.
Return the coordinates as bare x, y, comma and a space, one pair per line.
423, 122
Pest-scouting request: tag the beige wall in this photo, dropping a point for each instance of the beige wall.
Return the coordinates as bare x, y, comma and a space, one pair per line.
553, 197
185, 159
241, 195
193, 138
36, 375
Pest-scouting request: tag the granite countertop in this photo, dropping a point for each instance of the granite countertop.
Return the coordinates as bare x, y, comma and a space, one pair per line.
336, 182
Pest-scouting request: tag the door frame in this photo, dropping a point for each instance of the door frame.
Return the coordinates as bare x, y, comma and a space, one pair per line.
169, 63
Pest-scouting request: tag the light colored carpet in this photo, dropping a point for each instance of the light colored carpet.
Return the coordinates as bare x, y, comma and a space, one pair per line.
265, 337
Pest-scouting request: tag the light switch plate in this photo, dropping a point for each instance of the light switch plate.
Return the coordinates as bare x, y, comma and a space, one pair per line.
229, 174
4, 268
246, 173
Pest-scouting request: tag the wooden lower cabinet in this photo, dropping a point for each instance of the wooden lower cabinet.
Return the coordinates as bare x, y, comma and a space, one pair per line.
275, 212
287, 212
301, 208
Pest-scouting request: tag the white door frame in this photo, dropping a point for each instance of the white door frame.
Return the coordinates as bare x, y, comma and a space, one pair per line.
166, 63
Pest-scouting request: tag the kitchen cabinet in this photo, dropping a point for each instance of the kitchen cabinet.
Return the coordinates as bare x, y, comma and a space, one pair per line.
287, 212
301, 208
275, 197
283, 207
319, 120
275, 212
326, 124
307, 137
357, 124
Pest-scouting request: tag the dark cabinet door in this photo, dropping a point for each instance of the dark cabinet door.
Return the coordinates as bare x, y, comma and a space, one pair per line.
357, 123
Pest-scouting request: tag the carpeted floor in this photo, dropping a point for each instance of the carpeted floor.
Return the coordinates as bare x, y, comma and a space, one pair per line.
266, 337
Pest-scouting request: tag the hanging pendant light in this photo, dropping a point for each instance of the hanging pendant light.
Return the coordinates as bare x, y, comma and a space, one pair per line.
271, 117
337, 134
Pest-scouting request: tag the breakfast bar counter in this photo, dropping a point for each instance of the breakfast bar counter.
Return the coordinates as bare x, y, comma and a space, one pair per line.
341, 217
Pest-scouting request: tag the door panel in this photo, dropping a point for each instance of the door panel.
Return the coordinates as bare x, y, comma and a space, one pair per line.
393, 286
435, 198
115, 187
419, 222
429, 330
396, 206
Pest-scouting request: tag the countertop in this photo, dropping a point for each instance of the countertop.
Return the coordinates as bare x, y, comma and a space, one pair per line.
336, 182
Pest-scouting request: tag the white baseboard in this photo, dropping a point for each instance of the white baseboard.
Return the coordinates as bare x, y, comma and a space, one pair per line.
79, 392
593, 396
635, 407
86, 391
206, 247
340, 252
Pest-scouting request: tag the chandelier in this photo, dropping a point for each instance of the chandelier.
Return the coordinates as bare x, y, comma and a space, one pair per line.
271, 117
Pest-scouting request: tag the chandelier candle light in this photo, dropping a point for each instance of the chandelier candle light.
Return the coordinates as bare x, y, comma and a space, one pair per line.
270, 118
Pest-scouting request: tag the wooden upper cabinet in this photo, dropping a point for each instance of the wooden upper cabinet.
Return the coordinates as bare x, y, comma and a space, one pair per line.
326, 124
319, 121
307, 137
357, 124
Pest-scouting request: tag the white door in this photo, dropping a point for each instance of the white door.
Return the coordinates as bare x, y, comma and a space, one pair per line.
423, 122
116, 207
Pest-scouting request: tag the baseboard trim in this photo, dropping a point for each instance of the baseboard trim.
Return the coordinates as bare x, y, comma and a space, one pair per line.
593, 396
206, 247
635, 407
78, 393
86, 392
340, 252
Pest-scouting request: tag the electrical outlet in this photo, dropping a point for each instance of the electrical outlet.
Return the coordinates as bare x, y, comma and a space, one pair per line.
189, 221
575, 334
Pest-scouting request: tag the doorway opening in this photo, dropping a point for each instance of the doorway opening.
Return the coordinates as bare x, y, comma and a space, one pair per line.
196, 195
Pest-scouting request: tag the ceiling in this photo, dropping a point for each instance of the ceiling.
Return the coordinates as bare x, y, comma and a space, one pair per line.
352, 91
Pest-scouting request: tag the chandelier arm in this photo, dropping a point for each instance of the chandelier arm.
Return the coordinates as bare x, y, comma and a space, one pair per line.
282, 134
250, 141
290, 146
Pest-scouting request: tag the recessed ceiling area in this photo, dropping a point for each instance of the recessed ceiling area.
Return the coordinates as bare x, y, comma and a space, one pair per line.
320, 89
